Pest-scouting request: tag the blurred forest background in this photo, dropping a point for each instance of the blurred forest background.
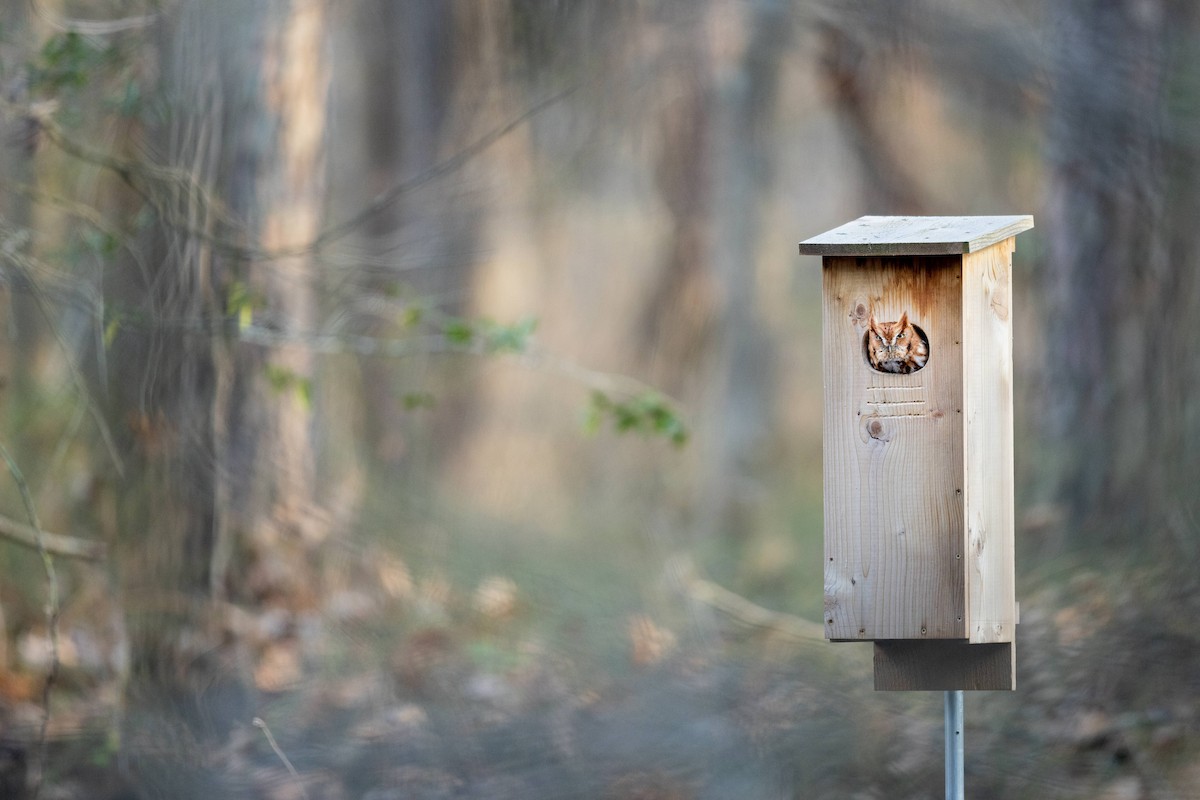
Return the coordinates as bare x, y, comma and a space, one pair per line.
421, 399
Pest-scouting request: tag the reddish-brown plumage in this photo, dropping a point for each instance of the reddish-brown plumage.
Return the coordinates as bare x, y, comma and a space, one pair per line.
898, 347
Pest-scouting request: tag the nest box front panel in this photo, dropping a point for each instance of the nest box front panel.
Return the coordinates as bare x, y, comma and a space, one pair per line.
893, 448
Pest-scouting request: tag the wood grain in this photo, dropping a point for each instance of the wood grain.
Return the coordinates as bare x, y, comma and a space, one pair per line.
904, 236
893, 459
945, 665
988, 411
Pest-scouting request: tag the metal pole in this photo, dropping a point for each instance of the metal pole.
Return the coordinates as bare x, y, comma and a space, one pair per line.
954, 745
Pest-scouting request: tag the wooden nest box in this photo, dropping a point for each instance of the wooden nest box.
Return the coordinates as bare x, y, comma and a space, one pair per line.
918, 449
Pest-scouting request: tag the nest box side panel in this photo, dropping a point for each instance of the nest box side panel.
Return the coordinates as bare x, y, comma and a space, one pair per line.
893, 453
988, 411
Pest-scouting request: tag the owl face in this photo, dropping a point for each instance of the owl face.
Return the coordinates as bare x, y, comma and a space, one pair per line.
888, 344
895, 346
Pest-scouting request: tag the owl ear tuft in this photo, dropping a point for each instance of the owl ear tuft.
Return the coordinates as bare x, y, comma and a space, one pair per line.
903, 321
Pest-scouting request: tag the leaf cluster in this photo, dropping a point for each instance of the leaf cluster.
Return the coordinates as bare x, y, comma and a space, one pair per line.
493, 337
68, 61
286, 381
648, 413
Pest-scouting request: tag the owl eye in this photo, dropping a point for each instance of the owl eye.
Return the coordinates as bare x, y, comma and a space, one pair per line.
899, 337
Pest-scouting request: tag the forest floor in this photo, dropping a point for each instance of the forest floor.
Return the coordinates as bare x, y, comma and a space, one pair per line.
463, 704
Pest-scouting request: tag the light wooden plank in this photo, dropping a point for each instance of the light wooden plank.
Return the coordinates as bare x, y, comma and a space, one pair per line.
886, 236
988, 410
893, 461
946, 665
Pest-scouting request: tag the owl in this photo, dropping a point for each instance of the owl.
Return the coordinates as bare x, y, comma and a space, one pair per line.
898, 347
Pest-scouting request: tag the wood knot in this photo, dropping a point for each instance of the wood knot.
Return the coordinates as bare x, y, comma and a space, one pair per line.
1000, 304
875, 428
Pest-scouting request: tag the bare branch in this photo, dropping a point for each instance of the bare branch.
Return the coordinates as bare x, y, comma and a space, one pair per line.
612, 383
88, 27
134, 174
54, 543
450, 164
29, 266
745, 612
261, 725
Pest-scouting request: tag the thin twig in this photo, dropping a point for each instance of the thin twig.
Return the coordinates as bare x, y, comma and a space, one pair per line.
259, 723
439, 169
134, 174
64, 444
89, 27
56, 544
28, 266
53, 608
746, 612
611, 383
80, 383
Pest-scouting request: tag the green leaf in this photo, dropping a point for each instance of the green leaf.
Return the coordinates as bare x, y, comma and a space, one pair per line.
459, 331
412, 316
100, 242
510, 338
279, 377
111, 330
241, 303
130, 102
67, 61
304, 391
593, 417
417, 400
284, 381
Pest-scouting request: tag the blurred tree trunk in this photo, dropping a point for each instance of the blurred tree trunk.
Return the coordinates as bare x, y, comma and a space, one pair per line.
1109, 284
679, 315
701, 323
276, 101
1177, 422
221, 498
167, 366
855, 53
747, 91
406, 58
420, 60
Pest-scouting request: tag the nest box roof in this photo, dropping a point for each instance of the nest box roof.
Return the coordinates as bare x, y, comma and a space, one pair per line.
915, 236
